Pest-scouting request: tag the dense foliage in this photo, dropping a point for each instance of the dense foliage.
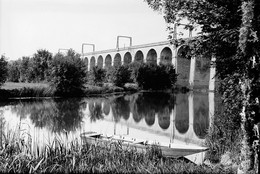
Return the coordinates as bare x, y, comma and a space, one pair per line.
34, 69
96, 76
68, 74
120, 75
156, 77
230, 31
3, 70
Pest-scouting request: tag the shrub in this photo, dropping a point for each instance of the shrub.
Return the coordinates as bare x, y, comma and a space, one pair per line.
120, 75
68, 74
155, 77
97, 76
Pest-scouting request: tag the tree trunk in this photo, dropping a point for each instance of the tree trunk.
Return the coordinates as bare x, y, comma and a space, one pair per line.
247, 123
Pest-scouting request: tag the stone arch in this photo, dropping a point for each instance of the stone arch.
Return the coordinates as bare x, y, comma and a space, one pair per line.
92, 62
117, 60
108, 61
151, 57
182, 113
86, 62
100, 61
166, 56
139, 56
183, 65
127, 58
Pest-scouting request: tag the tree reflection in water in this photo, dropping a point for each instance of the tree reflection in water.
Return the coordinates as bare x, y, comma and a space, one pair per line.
57, 115
95, 110
120, 108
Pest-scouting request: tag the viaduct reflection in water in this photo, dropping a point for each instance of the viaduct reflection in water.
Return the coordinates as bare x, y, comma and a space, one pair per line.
187, 114
178, 115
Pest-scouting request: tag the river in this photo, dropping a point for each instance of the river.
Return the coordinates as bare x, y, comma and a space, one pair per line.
182, 118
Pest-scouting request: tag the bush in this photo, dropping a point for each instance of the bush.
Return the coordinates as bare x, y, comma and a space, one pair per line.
97, 76
120, 75
155, 77
68, 74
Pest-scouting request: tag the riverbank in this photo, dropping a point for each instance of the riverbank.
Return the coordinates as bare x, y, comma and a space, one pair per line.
36, 90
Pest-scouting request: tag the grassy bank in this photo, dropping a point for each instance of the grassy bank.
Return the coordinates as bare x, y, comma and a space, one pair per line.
17, 156
18, 90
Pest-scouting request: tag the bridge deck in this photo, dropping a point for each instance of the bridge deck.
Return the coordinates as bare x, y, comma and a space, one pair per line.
128, 48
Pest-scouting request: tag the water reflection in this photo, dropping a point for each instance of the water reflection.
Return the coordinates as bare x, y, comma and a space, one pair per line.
58, 115
174, 116
120, 108
201, 115
182, 113
95, 110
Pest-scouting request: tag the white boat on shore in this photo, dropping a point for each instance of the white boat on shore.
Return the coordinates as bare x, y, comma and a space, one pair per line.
168, 149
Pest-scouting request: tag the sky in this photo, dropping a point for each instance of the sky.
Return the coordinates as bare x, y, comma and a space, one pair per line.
29, 25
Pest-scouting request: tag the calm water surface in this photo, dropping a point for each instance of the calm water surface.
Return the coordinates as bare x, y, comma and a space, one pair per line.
162, 117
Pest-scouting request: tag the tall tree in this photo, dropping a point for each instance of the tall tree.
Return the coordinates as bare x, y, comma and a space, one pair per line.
41, 64
230, 30
3, 70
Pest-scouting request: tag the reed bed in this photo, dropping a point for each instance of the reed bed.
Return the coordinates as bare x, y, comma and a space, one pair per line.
17, 155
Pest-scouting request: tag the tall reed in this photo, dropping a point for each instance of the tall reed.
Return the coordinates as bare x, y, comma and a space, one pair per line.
59, 156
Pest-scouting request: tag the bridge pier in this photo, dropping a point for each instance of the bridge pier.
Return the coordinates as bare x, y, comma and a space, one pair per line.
212, 74
192, 72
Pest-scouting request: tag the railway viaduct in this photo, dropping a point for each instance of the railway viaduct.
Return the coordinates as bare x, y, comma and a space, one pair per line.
194, 72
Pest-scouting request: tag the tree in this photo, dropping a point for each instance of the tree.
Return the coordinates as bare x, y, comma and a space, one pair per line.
3, 70
13, 71
120, 75
230, 31
41, 64
97, 76
68, 74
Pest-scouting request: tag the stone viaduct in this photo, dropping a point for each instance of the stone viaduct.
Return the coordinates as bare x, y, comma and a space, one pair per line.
194, 72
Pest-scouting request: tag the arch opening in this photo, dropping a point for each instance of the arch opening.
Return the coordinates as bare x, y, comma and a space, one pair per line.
100, 61
151, 57
139, 56
183, 65
92, 62
86, 62
127, 58
108, 61
166, 56
117, 60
